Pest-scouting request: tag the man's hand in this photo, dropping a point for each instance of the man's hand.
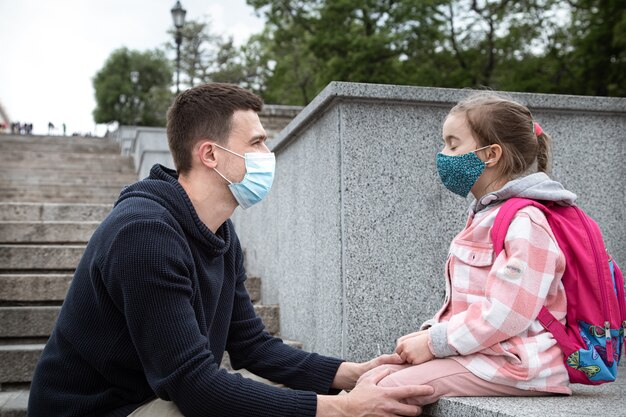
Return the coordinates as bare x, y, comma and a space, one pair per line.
413, 348
349, 373
369, 400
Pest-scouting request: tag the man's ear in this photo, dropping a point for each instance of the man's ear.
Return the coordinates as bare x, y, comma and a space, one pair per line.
205, 152
494, 153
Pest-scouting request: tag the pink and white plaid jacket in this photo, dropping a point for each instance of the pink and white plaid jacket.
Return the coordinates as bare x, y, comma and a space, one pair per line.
489, 320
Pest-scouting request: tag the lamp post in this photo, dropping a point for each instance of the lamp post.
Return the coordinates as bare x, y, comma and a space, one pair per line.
178, 15
134, 78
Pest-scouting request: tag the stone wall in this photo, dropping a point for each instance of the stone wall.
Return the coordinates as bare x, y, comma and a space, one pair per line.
352, 240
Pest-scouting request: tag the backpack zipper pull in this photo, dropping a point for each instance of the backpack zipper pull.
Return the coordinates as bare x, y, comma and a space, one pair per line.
609, 344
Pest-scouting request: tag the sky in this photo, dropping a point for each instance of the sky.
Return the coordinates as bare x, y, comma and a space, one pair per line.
51, 49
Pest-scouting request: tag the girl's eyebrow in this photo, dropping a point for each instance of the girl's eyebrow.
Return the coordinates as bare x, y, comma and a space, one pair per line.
450, 138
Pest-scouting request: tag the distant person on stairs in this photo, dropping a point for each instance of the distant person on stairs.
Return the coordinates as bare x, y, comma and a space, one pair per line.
159, 295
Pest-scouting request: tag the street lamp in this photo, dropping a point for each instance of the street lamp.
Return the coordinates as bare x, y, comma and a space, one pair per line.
134, 78
178, 15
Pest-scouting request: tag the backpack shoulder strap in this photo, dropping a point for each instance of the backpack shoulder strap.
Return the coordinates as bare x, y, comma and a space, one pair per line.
504, 218
498, 233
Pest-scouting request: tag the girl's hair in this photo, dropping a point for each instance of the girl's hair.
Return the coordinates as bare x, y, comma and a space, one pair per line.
496, 119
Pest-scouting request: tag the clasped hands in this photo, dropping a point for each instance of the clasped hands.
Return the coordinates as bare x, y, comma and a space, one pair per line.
366, 397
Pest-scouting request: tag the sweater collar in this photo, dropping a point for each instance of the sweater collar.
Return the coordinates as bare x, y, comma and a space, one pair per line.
162, 186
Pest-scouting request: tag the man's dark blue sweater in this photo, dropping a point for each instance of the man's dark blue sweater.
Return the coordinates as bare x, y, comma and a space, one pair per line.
156, 300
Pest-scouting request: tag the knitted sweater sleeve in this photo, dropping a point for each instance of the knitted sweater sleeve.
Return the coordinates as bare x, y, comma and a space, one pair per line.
147, 273
250, 347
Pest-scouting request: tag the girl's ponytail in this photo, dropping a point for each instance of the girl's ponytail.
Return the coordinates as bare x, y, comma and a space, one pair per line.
543, 152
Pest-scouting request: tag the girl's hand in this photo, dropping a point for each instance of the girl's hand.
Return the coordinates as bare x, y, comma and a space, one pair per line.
410, 335
413, 348
349, 372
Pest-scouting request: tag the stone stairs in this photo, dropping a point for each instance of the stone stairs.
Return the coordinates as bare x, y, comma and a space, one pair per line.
54, 192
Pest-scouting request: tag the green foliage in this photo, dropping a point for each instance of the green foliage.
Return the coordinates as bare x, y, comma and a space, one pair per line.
552, 46
599, 49
209, 57
143, 102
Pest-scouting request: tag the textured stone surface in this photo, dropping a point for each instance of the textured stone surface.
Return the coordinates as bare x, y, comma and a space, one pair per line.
293, 239
352, 240
13, 403
606, 400
270, 314
61, 193
24, 288
40, 257
28, 321
53, 212
39, 232
150, 147
253, 286
18, 362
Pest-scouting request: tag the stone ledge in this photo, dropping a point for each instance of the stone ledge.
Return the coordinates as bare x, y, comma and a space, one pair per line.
607, 400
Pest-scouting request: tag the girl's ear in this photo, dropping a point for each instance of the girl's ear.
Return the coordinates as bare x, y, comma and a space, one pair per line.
205, 153
494, 153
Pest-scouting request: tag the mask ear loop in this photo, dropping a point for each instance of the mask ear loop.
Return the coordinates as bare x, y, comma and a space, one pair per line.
227, 150
484, 147
220, 174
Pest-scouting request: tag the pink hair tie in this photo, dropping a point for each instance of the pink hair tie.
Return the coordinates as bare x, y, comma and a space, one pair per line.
538, 129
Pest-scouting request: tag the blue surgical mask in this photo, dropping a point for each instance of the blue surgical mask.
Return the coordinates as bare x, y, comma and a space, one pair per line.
460, 173
257, 182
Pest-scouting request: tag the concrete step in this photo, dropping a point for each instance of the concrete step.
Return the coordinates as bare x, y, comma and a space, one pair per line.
33, 288
29, 321
31, 177
37, 158
55, 140
53, 212
40, 257
44, 169
61, 194
38, 321
18, 362
61, 145
14, 403
46, 232
253, 285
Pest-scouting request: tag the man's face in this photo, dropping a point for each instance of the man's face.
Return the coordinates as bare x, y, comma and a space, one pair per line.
246, 135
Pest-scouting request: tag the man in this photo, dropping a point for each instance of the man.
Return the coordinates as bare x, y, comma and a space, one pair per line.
159, 295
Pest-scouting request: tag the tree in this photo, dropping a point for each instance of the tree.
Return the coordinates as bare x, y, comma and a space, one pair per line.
209, 57
598, 55
552, 46
133, 88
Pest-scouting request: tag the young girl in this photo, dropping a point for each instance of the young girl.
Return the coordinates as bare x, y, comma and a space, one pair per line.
486, 339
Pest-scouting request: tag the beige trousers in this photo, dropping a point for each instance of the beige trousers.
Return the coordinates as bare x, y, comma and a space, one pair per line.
157, 408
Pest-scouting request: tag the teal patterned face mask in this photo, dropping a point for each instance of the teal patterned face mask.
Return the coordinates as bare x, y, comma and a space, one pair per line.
460, 173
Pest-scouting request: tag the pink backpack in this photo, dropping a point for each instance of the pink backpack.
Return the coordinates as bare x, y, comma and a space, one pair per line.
592, 340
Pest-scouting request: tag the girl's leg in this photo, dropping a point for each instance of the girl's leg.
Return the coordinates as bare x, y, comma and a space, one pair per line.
450, 379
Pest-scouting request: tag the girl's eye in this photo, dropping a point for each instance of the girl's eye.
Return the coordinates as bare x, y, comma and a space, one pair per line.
453, 148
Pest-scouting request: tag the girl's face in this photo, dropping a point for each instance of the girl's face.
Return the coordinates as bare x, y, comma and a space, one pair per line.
457, 136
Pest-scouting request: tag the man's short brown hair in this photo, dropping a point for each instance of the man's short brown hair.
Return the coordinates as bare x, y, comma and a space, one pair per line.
204, 112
